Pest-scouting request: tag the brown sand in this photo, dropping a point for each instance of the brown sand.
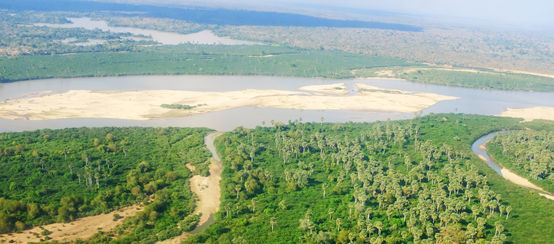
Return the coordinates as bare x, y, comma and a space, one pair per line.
206, 188
82, 228
529, 114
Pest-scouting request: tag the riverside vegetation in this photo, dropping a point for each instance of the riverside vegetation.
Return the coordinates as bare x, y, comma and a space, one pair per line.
60, 175
253, 60
393, 182
33, 52
529, 153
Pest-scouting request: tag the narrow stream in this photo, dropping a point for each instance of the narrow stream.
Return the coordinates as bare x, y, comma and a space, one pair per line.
215, 171
479, 148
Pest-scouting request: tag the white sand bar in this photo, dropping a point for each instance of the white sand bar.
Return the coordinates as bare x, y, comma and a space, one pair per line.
546, 113
146, 104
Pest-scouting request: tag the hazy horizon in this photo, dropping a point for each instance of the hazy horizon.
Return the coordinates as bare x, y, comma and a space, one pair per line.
533, 14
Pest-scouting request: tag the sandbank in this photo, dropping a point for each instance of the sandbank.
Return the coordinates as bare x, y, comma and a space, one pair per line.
546, 113
146, 104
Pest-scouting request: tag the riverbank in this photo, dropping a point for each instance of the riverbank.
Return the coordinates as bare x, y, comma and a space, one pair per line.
480, 149
528, 114
207, 189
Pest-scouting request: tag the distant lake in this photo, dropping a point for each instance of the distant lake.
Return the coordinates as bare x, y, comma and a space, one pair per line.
166, 38
472, 101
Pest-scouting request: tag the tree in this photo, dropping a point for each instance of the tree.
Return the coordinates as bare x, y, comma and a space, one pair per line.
379, 226
508, 210
338, 221
272, 222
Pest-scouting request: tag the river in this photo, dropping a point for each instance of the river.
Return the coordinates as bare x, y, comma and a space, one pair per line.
165, 38
472, 101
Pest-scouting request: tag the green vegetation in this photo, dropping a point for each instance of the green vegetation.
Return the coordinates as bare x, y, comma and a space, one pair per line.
452, 45
492, 80
18, 36
193, 59
60, 175
464, 77
178, 106
396, 181
252, 60
529, 153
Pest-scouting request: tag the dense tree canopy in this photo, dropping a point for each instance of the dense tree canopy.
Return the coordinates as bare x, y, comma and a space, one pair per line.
530, 153
383, 182
59, 175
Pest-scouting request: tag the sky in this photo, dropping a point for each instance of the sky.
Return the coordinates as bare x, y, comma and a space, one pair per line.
532, 13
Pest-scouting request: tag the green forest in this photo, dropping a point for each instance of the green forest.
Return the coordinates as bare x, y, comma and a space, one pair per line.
529, 153
385, 182
394, 182
251, 60
193, 59
60, 175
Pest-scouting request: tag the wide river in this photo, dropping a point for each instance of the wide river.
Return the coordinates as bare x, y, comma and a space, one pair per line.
472, 101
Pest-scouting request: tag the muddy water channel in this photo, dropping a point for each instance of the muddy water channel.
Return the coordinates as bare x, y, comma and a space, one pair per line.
471, 101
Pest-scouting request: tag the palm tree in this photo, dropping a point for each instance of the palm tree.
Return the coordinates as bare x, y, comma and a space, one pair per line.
330, 212
338, 222
272, 222
379, 226
508, 210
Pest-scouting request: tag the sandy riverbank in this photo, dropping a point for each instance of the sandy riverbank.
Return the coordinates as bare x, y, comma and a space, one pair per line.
146, 104
546, 113
514, 178
82, 228
206, 188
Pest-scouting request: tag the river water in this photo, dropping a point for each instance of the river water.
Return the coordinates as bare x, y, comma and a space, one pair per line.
472, 101
166, 38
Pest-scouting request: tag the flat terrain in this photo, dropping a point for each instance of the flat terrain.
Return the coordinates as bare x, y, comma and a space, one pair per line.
546, 113
143, 105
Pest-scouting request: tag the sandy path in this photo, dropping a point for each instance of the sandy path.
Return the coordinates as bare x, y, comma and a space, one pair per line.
82, 228
529, 114
146, 104
207, 189
513, 177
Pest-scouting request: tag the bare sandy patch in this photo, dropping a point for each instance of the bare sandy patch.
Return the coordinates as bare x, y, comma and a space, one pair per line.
79, 229
524, 72
547, 196
144, 105
336, 89
528, 114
